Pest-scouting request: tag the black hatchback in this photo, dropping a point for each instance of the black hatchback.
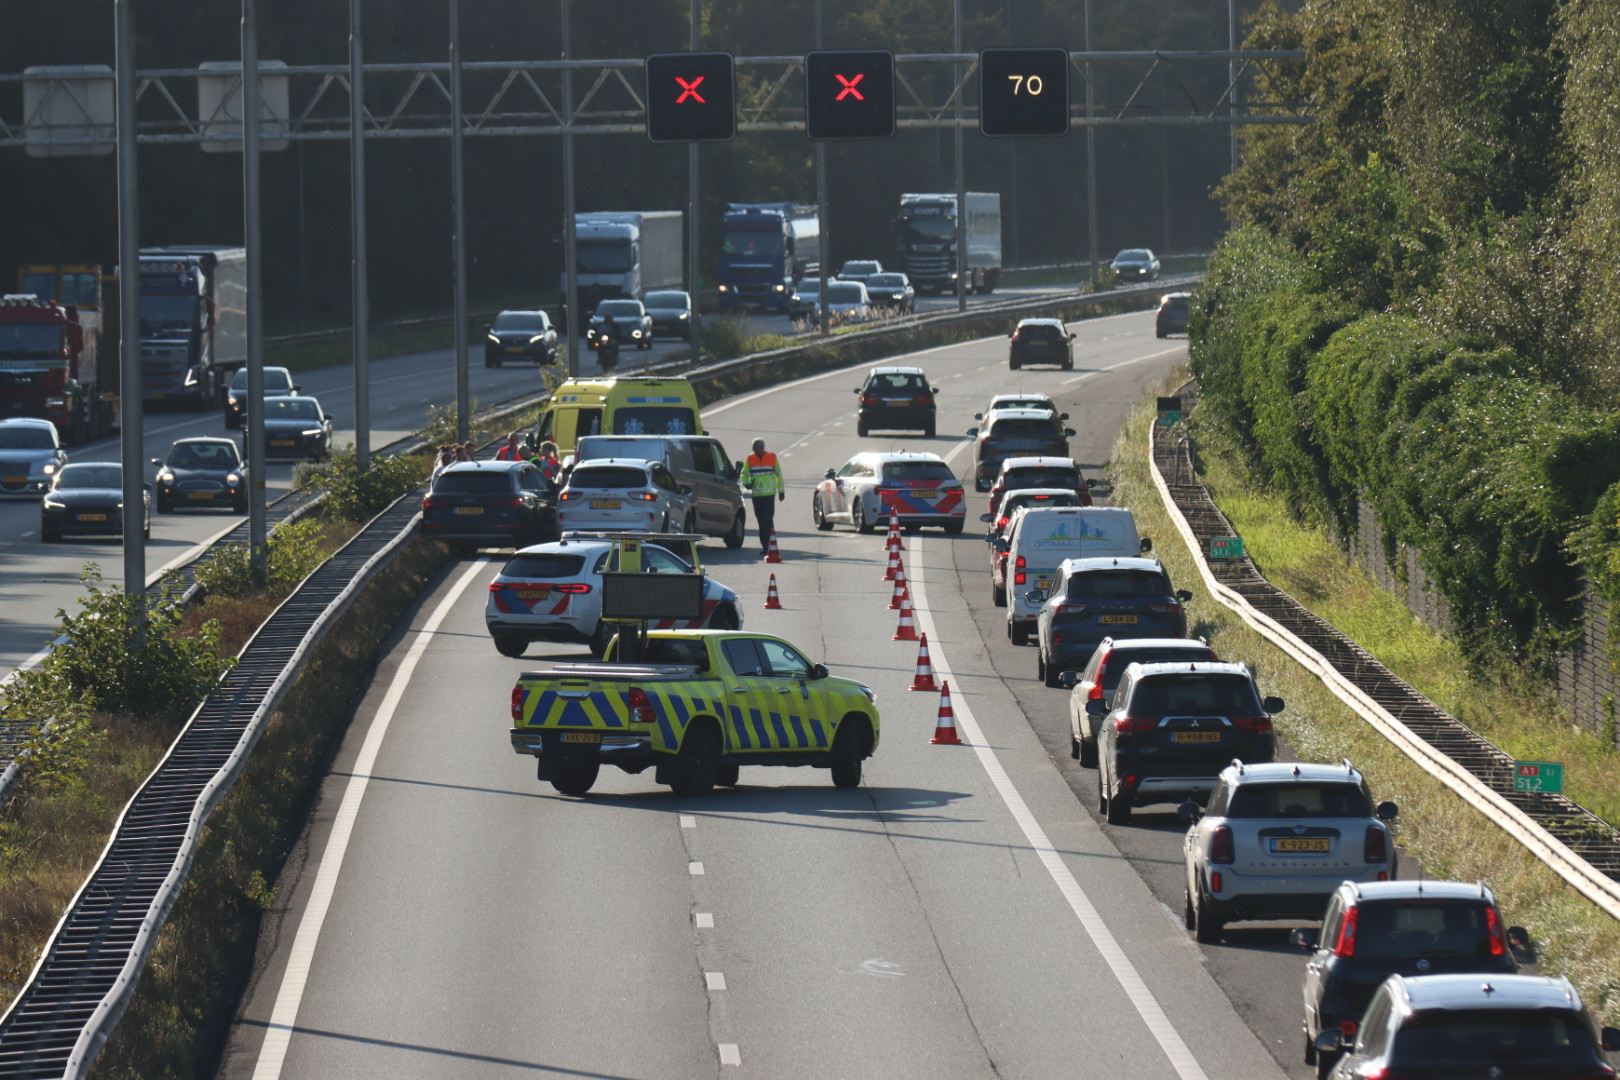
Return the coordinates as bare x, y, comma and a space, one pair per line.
896, 397
1016, 433
489, 504
1041, 341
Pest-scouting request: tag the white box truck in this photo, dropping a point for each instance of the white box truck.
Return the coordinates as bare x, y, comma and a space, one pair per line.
622, 255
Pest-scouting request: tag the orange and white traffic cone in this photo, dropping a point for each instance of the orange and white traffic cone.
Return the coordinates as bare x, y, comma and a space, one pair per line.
907, 630
924, 679
892, 542
901, 589
773, 555
773, 602
894, 564
945, 726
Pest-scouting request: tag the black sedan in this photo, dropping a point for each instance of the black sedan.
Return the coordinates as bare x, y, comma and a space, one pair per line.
295, 427
520, 335
200, 473
278, 382
631, 323
671, 313
893, 292
87, 499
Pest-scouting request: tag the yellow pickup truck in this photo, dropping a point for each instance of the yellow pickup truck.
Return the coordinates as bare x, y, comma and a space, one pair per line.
700, 704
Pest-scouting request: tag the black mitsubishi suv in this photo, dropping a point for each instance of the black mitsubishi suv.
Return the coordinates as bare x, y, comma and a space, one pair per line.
896, 398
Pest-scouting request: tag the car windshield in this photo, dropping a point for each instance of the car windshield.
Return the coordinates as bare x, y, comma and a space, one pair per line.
1121, 657
667, 300
1117, 585
1298, 799
1175, 305
203, 456
39, 340
25, 437
543, 566
809, 288
654, 420
845, 292
918, 470
473, 482
1396, 929
1024, 403
520, 320
888, 281
1493, 1036
274, 379
1199, 693
1013, 426
608, 476
1134, 255
91, 476
619, 309
1043, 476
896, 384
860, 269
291, 410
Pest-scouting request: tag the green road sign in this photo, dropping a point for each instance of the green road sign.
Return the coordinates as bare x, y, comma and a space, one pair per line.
1170, 418
1542, 776
1226, 547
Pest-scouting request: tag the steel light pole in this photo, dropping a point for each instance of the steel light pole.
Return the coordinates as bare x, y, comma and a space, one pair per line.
692, 213
359, 298
458, 240
961, 193
1091, 157
571, 312
132, 421
258, 534
822, 320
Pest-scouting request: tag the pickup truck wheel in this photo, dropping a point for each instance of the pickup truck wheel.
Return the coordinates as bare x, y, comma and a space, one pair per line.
818, 515
697, 766
727, 775
507, 645
739, 531
575, 777
848, 750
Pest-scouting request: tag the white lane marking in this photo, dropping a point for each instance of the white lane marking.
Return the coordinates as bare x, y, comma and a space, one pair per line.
688, 821
729, 1055
703, 920
694, 868
1122, 363
278, 1033
1130, 980
715, 980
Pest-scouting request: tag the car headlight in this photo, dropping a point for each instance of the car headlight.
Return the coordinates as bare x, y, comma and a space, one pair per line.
725, 288
165, 477
494, 339
312, 431
537, 338
635, 333
684, 315
48, 468
53, 504
781, 288
233, 479
232, 399
55, 402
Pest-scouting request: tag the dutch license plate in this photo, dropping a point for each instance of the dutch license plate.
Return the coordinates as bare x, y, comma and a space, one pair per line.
514, 348
896, 401
1197, 736
199, 494
282, 442
16, 479
925, 494
469, 510
605, 504
1294, 844
582, 736
1043, 583
1117, 620
92, 517
155, 395
533, 594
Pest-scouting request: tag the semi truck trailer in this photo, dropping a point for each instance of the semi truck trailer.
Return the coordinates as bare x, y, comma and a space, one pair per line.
928, 253
766, 249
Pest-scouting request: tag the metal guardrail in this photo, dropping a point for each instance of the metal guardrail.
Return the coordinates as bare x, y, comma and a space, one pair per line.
1577, 845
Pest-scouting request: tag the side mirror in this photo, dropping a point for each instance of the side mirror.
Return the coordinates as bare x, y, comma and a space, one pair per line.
1035, 596
972, 431
1304, 939
1329, 1042
1146, 544
830, 475
1090, 483
1189, 812
1518, 937
1272, 704
1183, 595
982, 517
989, 537
1611, 1038
1067, 679
933, 389
298, 389
819, 671
1072, 336
736, 466
1068, 431
329, 418
157, 461
1387, 811
1064, 416
857, 390
684, 489
978, 416
1095, 707
148, 487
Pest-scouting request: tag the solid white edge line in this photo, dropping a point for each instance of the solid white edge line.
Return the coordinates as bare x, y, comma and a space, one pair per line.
729, 1054
301, 957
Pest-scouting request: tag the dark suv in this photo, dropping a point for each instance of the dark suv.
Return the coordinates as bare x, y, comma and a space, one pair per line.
1098, 598
1101, 675
1172, 317
1041, 341
1016, 433
489, 504
1385, 928
896, 397
1173, 728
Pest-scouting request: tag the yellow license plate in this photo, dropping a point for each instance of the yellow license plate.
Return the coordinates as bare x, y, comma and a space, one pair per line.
1117, 620
92, 517
1197, 736
154, 395
16, 479
199, 494
1310, 844
925, 494
533, 594
1043, 583
469, 510
282, 442
514, 348
582, 736
605, 504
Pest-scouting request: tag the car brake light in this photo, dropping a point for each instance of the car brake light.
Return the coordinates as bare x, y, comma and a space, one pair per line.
1376, 849
1135, 725
1164, 609
1222, 848
645, 496
1345, 944
517, 703
641, 707
429, 502
572, 587
1215, 882
1019, 577
1493, 923
1102, 670
1259, 725
566, 495
1348, 1028
869, 399
924, 399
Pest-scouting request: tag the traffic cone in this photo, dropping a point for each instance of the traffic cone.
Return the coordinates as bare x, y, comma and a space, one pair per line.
924, 679
892, 541
945, 726
773, 555
907, 630
894, 563
902, 591
773, 602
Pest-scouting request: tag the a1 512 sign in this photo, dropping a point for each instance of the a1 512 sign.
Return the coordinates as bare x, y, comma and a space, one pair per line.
691, 97
1024, 92
849, 94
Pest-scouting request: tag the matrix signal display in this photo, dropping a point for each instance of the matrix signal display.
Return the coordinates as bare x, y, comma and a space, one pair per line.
849, 95
1024, 92
691, 97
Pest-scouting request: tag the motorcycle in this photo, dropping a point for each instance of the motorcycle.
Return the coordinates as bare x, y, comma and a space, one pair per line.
606, 344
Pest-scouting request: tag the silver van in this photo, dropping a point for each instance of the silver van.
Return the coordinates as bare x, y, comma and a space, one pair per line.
698, 461
1040, 538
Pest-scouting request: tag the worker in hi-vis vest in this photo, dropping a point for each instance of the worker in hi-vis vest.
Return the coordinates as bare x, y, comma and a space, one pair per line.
762, 476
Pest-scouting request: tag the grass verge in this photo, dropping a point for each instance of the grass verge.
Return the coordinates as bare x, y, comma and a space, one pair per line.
1451, 837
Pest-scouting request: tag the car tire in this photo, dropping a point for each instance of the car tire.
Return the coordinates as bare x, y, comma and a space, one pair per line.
575, 777
164, 506
240, 506
724, 617
1115, 809
490, 361
739, 531
600, 638
1053, 672
697, 764
1069, 366
1020, 636
1310, 1047
1161, 334
1040, 664
861, 429
1188, 919
232, 422
848, 751
1074, 747
1013, 365
928, 432
1088, 753
146, 529
510, 645
998, 595
857, 517
727, 775
1324, 1064
1102, 793
690, 525
1206, 927
954, 528
818, 516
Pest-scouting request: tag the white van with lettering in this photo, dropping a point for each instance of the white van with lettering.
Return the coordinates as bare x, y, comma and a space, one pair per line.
1039, 538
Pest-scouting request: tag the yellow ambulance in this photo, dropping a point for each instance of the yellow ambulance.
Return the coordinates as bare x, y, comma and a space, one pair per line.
631, 406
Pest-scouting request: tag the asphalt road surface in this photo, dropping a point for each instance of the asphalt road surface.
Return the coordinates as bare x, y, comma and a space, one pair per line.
961, 914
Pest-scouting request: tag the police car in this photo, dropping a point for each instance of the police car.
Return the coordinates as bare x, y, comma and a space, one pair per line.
918, 489
553, 592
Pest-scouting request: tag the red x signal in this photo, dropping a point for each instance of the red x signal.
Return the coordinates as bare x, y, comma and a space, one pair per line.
849, 87
689, 89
